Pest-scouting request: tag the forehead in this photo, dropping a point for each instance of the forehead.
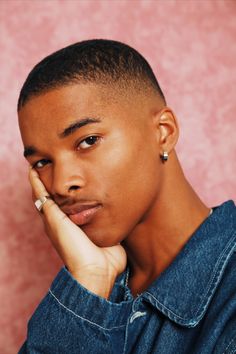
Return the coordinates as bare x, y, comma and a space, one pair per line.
57, 106
64, 100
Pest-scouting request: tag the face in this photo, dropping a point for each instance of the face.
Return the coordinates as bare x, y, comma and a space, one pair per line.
96, 151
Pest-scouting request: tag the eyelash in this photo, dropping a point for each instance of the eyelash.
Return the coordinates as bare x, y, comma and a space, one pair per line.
91, 138
44, 161
97, 139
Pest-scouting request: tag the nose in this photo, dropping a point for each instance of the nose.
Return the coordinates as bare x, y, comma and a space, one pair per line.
67, 178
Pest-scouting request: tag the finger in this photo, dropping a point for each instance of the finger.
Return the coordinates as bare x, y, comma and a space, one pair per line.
52, 215
40, 191
38, 187
56, 220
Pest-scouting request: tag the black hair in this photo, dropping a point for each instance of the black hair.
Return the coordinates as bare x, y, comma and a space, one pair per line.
97, 60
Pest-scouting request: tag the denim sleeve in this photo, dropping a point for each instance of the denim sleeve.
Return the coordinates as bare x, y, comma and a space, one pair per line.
71, 319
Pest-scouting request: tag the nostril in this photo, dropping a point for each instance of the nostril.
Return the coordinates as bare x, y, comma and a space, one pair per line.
73, 188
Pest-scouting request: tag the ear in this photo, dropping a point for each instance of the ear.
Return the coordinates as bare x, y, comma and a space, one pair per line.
168, 130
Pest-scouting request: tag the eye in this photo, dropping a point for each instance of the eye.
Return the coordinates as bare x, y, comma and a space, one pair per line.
41, 163
88, 142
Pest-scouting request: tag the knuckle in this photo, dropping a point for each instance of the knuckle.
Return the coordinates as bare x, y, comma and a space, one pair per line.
49, 205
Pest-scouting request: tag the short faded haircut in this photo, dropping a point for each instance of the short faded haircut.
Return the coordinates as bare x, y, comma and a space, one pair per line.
96, 61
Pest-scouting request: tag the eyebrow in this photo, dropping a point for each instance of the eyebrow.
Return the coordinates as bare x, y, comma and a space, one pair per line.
73, 127
77, 125
29, 151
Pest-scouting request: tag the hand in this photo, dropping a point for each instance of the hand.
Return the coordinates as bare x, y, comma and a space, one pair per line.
93, 267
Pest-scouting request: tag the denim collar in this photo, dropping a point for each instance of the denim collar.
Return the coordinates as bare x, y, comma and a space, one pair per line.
184, 290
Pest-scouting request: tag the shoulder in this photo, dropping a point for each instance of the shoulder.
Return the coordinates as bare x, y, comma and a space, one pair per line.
221, 315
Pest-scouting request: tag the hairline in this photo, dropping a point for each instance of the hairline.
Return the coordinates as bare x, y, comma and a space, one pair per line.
121, 85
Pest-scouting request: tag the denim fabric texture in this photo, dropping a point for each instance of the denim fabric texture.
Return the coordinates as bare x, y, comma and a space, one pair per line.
189, 309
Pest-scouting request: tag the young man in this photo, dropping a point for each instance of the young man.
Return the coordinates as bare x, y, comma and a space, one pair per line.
149, 268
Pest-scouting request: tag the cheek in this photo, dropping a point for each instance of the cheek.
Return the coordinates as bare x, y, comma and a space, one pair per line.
131, 178
129, 197
128, 186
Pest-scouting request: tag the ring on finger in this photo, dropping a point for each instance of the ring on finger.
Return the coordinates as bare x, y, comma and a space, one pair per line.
39, 203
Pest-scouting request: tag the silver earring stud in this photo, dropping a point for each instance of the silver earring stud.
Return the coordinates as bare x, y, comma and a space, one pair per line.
165, 156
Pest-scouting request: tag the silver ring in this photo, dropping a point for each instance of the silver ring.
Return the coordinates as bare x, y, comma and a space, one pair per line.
39, 203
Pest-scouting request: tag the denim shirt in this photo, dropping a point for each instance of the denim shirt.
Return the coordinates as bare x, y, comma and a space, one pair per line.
189, 309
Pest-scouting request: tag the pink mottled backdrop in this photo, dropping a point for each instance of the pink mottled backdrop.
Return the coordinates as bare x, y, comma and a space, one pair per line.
191, 47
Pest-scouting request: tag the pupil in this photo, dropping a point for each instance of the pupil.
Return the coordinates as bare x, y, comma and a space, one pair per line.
91, 140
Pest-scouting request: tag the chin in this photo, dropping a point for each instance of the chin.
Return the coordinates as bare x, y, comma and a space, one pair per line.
100, 237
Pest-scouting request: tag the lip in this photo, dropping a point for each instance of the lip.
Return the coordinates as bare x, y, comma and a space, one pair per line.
82, 214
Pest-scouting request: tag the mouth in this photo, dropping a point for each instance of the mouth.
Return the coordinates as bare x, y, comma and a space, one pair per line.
83, 214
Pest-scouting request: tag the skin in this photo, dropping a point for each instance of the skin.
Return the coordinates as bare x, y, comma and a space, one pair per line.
148, 210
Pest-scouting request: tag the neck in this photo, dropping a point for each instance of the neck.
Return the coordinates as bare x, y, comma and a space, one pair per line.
156, 241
